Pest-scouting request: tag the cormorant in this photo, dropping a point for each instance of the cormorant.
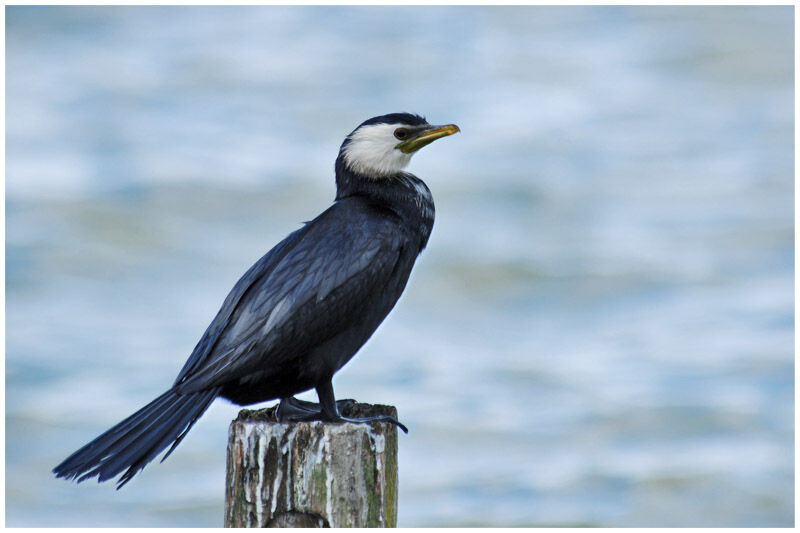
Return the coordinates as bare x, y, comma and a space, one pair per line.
302, 311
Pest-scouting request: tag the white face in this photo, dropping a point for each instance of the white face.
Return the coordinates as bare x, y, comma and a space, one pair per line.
371, 150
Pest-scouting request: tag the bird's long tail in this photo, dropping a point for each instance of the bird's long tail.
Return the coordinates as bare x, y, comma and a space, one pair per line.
135, 441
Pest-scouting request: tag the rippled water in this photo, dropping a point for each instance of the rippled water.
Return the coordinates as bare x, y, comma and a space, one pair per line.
600, 332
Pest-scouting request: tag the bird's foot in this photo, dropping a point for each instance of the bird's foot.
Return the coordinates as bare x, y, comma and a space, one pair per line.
293, 410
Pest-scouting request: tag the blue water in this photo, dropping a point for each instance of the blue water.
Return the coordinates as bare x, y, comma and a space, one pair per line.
600, 332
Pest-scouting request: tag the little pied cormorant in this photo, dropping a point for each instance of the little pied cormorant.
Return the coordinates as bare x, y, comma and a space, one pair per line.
302, 311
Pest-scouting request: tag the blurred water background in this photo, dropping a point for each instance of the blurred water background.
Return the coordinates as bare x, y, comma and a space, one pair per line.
600, 332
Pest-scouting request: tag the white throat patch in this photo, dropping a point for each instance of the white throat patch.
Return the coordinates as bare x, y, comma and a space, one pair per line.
371, 151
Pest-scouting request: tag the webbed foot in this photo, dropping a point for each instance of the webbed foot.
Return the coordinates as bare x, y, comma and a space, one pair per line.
293, 410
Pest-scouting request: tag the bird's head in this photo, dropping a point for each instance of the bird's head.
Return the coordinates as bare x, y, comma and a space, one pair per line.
383, 146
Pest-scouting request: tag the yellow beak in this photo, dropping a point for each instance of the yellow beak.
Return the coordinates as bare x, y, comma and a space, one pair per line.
426, 137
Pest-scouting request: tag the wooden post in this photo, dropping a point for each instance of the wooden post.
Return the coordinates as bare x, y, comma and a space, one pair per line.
311, 474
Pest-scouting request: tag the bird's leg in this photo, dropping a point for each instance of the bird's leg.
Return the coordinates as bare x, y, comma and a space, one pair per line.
330, 411
292, 409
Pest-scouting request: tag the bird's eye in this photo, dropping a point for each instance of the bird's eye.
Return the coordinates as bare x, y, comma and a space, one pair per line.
401, 133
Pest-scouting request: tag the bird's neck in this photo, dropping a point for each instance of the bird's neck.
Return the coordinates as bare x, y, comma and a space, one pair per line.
403, 193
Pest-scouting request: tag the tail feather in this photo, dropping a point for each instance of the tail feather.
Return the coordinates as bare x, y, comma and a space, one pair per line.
135, 441
176, 428
92, 460
139, 445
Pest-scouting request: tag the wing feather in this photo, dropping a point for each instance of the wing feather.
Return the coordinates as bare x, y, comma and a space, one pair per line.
222, 319
306, 292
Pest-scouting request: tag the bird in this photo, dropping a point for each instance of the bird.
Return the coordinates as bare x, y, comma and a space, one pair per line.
302, 311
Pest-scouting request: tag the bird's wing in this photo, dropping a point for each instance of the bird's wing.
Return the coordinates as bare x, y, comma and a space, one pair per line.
313, 288
261, 268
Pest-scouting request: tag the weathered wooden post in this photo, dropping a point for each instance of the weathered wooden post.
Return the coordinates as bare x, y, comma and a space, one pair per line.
312, 474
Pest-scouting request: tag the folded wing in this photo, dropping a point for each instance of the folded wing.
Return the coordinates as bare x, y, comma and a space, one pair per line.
305, 290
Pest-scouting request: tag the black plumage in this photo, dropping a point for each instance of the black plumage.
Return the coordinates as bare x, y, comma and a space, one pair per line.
301, 312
